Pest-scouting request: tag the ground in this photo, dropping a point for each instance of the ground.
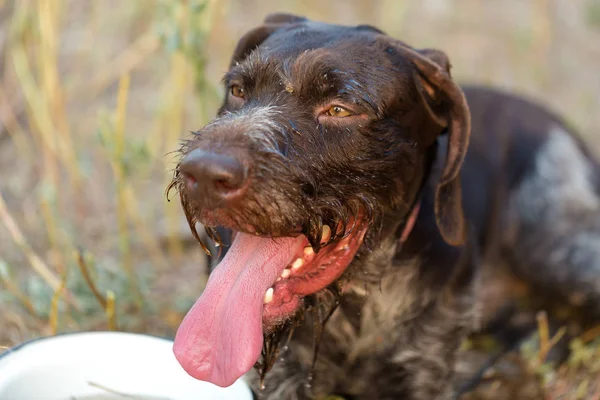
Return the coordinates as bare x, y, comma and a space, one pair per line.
95, 95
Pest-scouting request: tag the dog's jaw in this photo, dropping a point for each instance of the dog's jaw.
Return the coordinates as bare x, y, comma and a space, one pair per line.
306, 274
255, 290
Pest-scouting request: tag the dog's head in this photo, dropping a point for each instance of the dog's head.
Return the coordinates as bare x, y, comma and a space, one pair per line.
325, 132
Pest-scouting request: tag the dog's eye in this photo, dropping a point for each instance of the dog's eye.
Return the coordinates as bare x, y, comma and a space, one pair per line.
237, 91
338, 112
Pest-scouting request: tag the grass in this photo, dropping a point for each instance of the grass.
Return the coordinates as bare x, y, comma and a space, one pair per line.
94, 98
80, 172
593, 13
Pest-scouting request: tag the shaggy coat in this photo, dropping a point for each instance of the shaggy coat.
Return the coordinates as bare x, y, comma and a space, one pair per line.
440, 178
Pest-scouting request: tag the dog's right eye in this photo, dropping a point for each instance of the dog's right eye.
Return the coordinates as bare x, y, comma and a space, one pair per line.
338, 112
237, 91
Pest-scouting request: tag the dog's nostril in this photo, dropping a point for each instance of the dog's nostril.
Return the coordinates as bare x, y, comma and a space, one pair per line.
226, 184
219, 176
190, 181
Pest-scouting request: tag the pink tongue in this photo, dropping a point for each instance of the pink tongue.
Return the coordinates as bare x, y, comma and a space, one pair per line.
221, 337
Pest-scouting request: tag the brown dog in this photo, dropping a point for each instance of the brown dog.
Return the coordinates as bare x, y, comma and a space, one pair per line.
336, 161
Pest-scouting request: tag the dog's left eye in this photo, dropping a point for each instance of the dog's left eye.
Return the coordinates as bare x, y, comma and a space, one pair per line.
337, 111
237, 91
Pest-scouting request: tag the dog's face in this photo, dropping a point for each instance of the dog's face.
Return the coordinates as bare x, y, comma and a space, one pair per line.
323, 138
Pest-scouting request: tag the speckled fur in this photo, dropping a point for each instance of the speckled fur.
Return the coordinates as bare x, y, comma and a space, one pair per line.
401, 310
555, 243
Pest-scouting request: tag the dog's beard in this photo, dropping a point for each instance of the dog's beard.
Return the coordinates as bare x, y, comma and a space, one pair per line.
320, 306
260, 291
289, 251
256, 290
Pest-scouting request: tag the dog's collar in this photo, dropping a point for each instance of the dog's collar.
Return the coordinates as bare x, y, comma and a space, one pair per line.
410, 222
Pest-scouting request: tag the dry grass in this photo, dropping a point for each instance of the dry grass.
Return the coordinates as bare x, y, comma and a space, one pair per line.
95, 95
90, 116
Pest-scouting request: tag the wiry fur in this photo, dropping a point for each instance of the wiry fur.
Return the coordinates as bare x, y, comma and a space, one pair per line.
556, 241
391, 326
394, 338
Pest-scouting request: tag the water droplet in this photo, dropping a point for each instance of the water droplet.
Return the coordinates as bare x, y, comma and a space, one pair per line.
262, 386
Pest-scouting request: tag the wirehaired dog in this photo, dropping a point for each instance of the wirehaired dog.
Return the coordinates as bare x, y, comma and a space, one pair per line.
338, 163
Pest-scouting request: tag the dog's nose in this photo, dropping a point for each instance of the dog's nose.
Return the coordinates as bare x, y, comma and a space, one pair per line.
215, 179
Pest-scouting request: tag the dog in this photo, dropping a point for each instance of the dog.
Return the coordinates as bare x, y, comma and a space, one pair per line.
362, 190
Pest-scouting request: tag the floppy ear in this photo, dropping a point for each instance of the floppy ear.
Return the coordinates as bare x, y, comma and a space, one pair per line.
252, 39
445, 104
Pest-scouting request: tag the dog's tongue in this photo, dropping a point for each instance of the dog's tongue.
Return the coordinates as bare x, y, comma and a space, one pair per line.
221, 337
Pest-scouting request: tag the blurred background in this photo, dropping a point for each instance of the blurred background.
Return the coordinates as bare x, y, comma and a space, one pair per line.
96, 94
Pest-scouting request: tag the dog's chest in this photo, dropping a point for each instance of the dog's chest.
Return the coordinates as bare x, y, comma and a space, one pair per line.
370, 314
359, 334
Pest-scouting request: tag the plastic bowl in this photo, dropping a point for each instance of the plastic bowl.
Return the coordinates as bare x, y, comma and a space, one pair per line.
103, 366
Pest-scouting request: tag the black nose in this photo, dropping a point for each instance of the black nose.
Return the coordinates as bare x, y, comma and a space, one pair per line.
214, 179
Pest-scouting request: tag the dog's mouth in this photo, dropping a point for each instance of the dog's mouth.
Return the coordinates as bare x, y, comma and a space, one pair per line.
306, 273
258, 286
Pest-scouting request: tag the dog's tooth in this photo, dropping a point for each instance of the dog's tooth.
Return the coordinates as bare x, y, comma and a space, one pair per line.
308, 251
268, 296
297, 263
326, 235
286, 273
344, 244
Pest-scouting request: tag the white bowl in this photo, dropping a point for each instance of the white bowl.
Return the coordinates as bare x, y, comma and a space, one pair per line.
103, 365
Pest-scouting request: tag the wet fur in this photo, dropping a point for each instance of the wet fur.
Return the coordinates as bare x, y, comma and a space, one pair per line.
396, 319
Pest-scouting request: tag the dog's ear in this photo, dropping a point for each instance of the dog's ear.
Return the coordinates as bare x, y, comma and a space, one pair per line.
446, 107
252, 39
